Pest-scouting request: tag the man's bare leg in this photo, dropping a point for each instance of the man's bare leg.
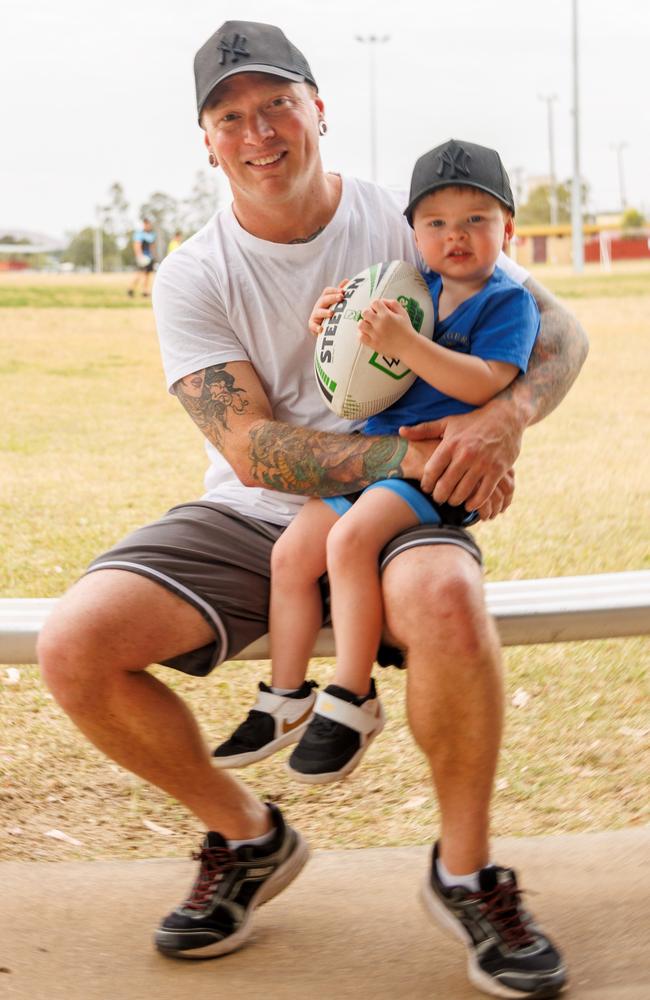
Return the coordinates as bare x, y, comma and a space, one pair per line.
94, 651
435, 609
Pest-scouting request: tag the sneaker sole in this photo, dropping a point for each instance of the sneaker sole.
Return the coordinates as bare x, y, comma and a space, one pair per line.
329, 777
439, 915
244, 759
174, 945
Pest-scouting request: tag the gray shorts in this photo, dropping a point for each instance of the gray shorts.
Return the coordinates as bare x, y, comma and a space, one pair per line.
220, 562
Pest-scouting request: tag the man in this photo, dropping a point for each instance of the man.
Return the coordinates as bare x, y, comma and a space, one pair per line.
144, 240
191, 590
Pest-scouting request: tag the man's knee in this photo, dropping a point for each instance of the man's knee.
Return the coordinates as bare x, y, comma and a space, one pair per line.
110, 623
67, 654
78, 643
436, 594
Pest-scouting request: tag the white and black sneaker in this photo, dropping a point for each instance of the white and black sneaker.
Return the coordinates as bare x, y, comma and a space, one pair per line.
342, 728
508, 955
274, 721
215, 919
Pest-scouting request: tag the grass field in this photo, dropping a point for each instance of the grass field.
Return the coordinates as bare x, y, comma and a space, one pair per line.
91, 445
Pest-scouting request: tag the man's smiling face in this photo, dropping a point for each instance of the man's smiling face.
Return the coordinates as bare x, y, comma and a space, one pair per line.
263, 131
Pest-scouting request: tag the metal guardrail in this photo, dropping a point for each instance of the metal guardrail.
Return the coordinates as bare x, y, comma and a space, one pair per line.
527, 612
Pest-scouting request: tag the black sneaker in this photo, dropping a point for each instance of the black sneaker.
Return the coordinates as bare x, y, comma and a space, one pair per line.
216, 917
342, 728
508, 955
274, 721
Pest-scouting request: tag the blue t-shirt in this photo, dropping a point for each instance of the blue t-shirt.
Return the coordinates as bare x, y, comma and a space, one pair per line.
146, 238
498, 323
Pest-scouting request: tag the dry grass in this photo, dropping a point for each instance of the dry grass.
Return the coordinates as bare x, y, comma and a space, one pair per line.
91, 445
91, 442
583, 486
73, 291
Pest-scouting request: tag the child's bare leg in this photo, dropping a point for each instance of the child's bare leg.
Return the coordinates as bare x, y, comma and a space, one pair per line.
282, 712
353, 548
296, 610
348, 714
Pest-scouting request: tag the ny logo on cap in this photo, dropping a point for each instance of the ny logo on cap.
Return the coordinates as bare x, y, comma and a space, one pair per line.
234, 49
456, 159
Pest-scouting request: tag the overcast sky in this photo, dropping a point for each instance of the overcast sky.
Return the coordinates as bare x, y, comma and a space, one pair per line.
94, 92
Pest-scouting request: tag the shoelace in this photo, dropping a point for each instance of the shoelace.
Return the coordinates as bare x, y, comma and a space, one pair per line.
215, 861
501, 907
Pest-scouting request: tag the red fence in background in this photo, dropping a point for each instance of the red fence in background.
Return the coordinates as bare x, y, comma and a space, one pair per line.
632, 248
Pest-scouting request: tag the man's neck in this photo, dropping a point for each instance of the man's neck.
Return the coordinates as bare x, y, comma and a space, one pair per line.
297, 220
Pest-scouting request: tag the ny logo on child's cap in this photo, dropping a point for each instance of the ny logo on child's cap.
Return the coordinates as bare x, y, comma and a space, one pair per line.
456, 159
235, 49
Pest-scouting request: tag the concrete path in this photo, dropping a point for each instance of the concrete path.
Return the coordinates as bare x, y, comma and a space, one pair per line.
349, 927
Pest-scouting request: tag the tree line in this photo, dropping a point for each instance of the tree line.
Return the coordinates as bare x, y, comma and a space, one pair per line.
169, 215
537, 209
116, 224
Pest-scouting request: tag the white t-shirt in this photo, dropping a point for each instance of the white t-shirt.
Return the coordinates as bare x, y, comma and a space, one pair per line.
226, 295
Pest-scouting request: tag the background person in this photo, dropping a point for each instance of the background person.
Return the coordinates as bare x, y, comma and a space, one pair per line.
191, 589
144, 241
175, 241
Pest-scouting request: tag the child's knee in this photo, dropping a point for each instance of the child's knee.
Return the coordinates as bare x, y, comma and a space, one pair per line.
297, 557
284, 555
345, 542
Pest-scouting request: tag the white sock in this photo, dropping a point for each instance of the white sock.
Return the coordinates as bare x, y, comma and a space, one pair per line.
469, 881
253, 842
281, 691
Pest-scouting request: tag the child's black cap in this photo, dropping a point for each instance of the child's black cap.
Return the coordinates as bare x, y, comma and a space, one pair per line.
459, 163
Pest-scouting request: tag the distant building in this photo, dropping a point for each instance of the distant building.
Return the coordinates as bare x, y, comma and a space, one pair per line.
604, 242
17, 246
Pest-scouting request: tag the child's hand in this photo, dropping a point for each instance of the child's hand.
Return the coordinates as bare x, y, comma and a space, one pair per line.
385, 326
324, 307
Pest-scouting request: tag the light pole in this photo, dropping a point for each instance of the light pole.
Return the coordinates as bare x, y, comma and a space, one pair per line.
618, 148
98, 242
576, 187
552, 194
372, 41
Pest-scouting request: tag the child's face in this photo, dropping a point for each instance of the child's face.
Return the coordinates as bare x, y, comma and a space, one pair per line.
460, 232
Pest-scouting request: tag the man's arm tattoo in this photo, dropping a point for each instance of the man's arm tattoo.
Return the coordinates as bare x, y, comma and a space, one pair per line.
211, 397
283, 457
557, 357
315, 463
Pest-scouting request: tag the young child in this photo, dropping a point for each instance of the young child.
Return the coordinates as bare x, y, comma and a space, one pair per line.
461, 209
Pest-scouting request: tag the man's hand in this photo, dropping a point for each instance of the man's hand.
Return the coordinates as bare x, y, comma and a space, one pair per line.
500, 498
476, 451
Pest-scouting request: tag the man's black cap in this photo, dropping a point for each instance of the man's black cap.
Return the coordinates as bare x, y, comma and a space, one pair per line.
459, 163
246, 47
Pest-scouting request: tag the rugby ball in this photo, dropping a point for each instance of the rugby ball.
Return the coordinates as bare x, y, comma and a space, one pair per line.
354, 380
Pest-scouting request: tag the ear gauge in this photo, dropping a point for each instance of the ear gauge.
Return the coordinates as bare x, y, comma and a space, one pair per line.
322, 127
212, 160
